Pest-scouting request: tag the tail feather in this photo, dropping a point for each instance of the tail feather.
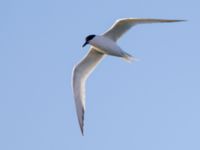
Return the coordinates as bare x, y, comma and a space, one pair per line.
129, 58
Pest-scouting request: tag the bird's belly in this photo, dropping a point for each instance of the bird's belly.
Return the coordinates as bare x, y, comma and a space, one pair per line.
108, 47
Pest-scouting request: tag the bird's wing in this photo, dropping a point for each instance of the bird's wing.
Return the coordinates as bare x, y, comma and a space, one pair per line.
80, 75
121, 26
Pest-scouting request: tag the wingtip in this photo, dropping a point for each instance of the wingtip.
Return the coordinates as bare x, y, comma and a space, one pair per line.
82, 132
172, 20
183, 20
81, 123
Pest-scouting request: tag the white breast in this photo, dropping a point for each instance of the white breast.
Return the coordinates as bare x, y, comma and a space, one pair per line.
106, 46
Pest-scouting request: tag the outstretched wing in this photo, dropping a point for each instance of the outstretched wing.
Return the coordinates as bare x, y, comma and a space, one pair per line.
80, 75
121, 26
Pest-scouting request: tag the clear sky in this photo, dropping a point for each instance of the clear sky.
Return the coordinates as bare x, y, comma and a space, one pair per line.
152, 104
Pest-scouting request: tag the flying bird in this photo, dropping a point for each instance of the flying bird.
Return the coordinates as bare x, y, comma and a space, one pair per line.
101, 46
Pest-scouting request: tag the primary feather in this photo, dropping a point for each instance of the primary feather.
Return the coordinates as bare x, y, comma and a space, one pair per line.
121, 26
80, 75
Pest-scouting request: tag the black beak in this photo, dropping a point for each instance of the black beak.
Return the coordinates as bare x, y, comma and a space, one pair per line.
85, 44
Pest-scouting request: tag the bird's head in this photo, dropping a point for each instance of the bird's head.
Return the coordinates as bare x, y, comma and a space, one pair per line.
88, 39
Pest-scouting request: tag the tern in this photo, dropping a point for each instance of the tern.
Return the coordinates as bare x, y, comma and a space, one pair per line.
101, 46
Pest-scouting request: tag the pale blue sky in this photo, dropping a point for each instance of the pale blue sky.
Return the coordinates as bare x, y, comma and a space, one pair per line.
151, 104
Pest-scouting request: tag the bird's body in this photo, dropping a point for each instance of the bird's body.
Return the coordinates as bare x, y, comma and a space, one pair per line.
102, 45
107, 46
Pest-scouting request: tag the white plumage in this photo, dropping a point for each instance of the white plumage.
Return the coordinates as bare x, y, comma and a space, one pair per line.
102, 45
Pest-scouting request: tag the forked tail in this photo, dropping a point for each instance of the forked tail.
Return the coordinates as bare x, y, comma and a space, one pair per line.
129, 58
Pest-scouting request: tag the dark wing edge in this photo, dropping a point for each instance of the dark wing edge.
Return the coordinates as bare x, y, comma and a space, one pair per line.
121, 26
79, 76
